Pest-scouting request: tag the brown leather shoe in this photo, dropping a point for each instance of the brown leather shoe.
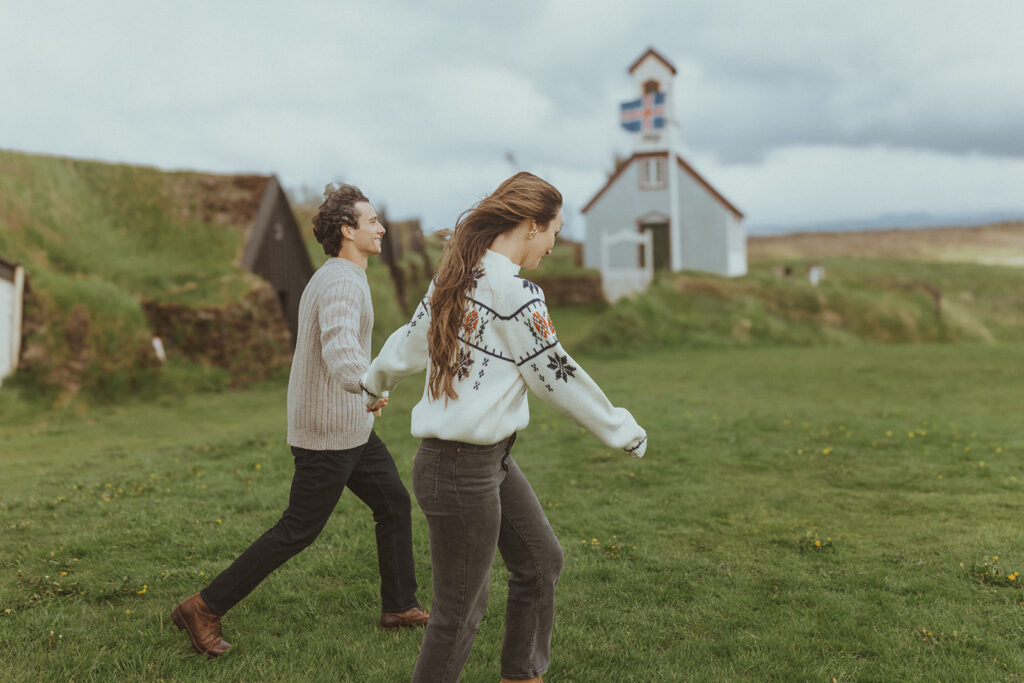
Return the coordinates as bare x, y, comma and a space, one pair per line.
414, 616
202, 625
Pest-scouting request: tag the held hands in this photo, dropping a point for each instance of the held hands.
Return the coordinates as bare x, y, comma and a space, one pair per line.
377, 407
373, 403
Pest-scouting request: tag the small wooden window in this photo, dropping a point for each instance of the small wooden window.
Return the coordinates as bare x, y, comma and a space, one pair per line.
653, 173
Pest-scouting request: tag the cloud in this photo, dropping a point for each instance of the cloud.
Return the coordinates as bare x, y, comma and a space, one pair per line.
422, 102
912, 74
831, 182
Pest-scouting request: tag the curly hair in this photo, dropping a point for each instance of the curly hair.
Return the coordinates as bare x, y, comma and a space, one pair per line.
337, 209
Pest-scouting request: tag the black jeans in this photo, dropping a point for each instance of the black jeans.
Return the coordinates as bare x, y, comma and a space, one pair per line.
477, 500
320, 476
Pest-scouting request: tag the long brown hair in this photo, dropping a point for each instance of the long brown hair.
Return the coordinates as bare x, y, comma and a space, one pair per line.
522, 197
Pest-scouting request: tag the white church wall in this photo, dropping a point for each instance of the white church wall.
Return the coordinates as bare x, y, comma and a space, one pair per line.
706, 222
653, 70
619, 208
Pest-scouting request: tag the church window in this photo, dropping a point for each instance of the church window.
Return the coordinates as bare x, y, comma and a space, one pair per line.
653, 173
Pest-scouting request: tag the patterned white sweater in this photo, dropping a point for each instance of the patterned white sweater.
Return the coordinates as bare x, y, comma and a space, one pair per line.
508, 345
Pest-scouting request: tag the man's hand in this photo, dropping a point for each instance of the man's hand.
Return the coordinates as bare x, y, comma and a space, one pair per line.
377, 407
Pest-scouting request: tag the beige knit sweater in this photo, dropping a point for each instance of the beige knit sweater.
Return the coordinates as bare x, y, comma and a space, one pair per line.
332, 352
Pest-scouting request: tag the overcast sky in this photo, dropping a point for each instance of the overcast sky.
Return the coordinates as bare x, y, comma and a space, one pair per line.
797, 111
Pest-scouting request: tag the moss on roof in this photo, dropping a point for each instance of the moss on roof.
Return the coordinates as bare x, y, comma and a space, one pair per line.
170, 236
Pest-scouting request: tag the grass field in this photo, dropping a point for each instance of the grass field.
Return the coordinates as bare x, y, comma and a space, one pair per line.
698, 562
998, 244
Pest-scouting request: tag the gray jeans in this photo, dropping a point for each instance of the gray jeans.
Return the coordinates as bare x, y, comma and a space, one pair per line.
476, 499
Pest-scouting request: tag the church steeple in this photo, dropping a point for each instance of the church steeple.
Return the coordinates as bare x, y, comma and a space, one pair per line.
653, 74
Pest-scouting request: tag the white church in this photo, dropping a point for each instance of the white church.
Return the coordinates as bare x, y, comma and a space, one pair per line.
655, 202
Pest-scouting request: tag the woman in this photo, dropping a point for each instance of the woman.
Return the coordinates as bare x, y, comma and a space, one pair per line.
485, 336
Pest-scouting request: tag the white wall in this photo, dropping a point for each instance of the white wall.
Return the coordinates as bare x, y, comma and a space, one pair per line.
6, 326
618, 209
713, 239
10, 322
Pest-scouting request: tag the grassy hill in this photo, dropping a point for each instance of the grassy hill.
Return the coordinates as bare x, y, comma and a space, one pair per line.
102, 242
99, 239
164, 236
939, 290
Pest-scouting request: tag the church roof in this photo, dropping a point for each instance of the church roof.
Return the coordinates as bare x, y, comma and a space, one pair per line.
686, 167
651, 52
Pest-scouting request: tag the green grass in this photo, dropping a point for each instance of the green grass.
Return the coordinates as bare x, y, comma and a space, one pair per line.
703, 567
861, 300
127, 225
96, 239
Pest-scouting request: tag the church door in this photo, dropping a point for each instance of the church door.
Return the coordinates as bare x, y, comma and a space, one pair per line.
659, 231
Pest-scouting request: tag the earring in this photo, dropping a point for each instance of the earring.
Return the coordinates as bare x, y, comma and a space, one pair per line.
530, 235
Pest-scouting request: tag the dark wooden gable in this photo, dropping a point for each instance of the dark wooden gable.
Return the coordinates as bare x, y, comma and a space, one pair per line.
7, 270
277, 253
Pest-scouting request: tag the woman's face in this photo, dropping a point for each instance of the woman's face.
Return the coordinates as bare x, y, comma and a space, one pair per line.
541, 245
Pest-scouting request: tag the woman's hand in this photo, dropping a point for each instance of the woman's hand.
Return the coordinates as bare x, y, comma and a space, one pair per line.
377, 407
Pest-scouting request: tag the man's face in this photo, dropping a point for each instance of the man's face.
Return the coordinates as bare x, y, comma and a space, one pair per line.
367, 235
541, 245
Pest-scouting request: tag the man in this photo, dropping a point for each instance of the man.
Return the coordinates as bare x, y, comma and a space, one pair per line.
330, 433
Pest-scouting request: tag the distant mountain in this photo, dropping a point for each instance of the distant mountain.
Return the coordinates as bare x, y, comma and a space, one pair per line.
890, 221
